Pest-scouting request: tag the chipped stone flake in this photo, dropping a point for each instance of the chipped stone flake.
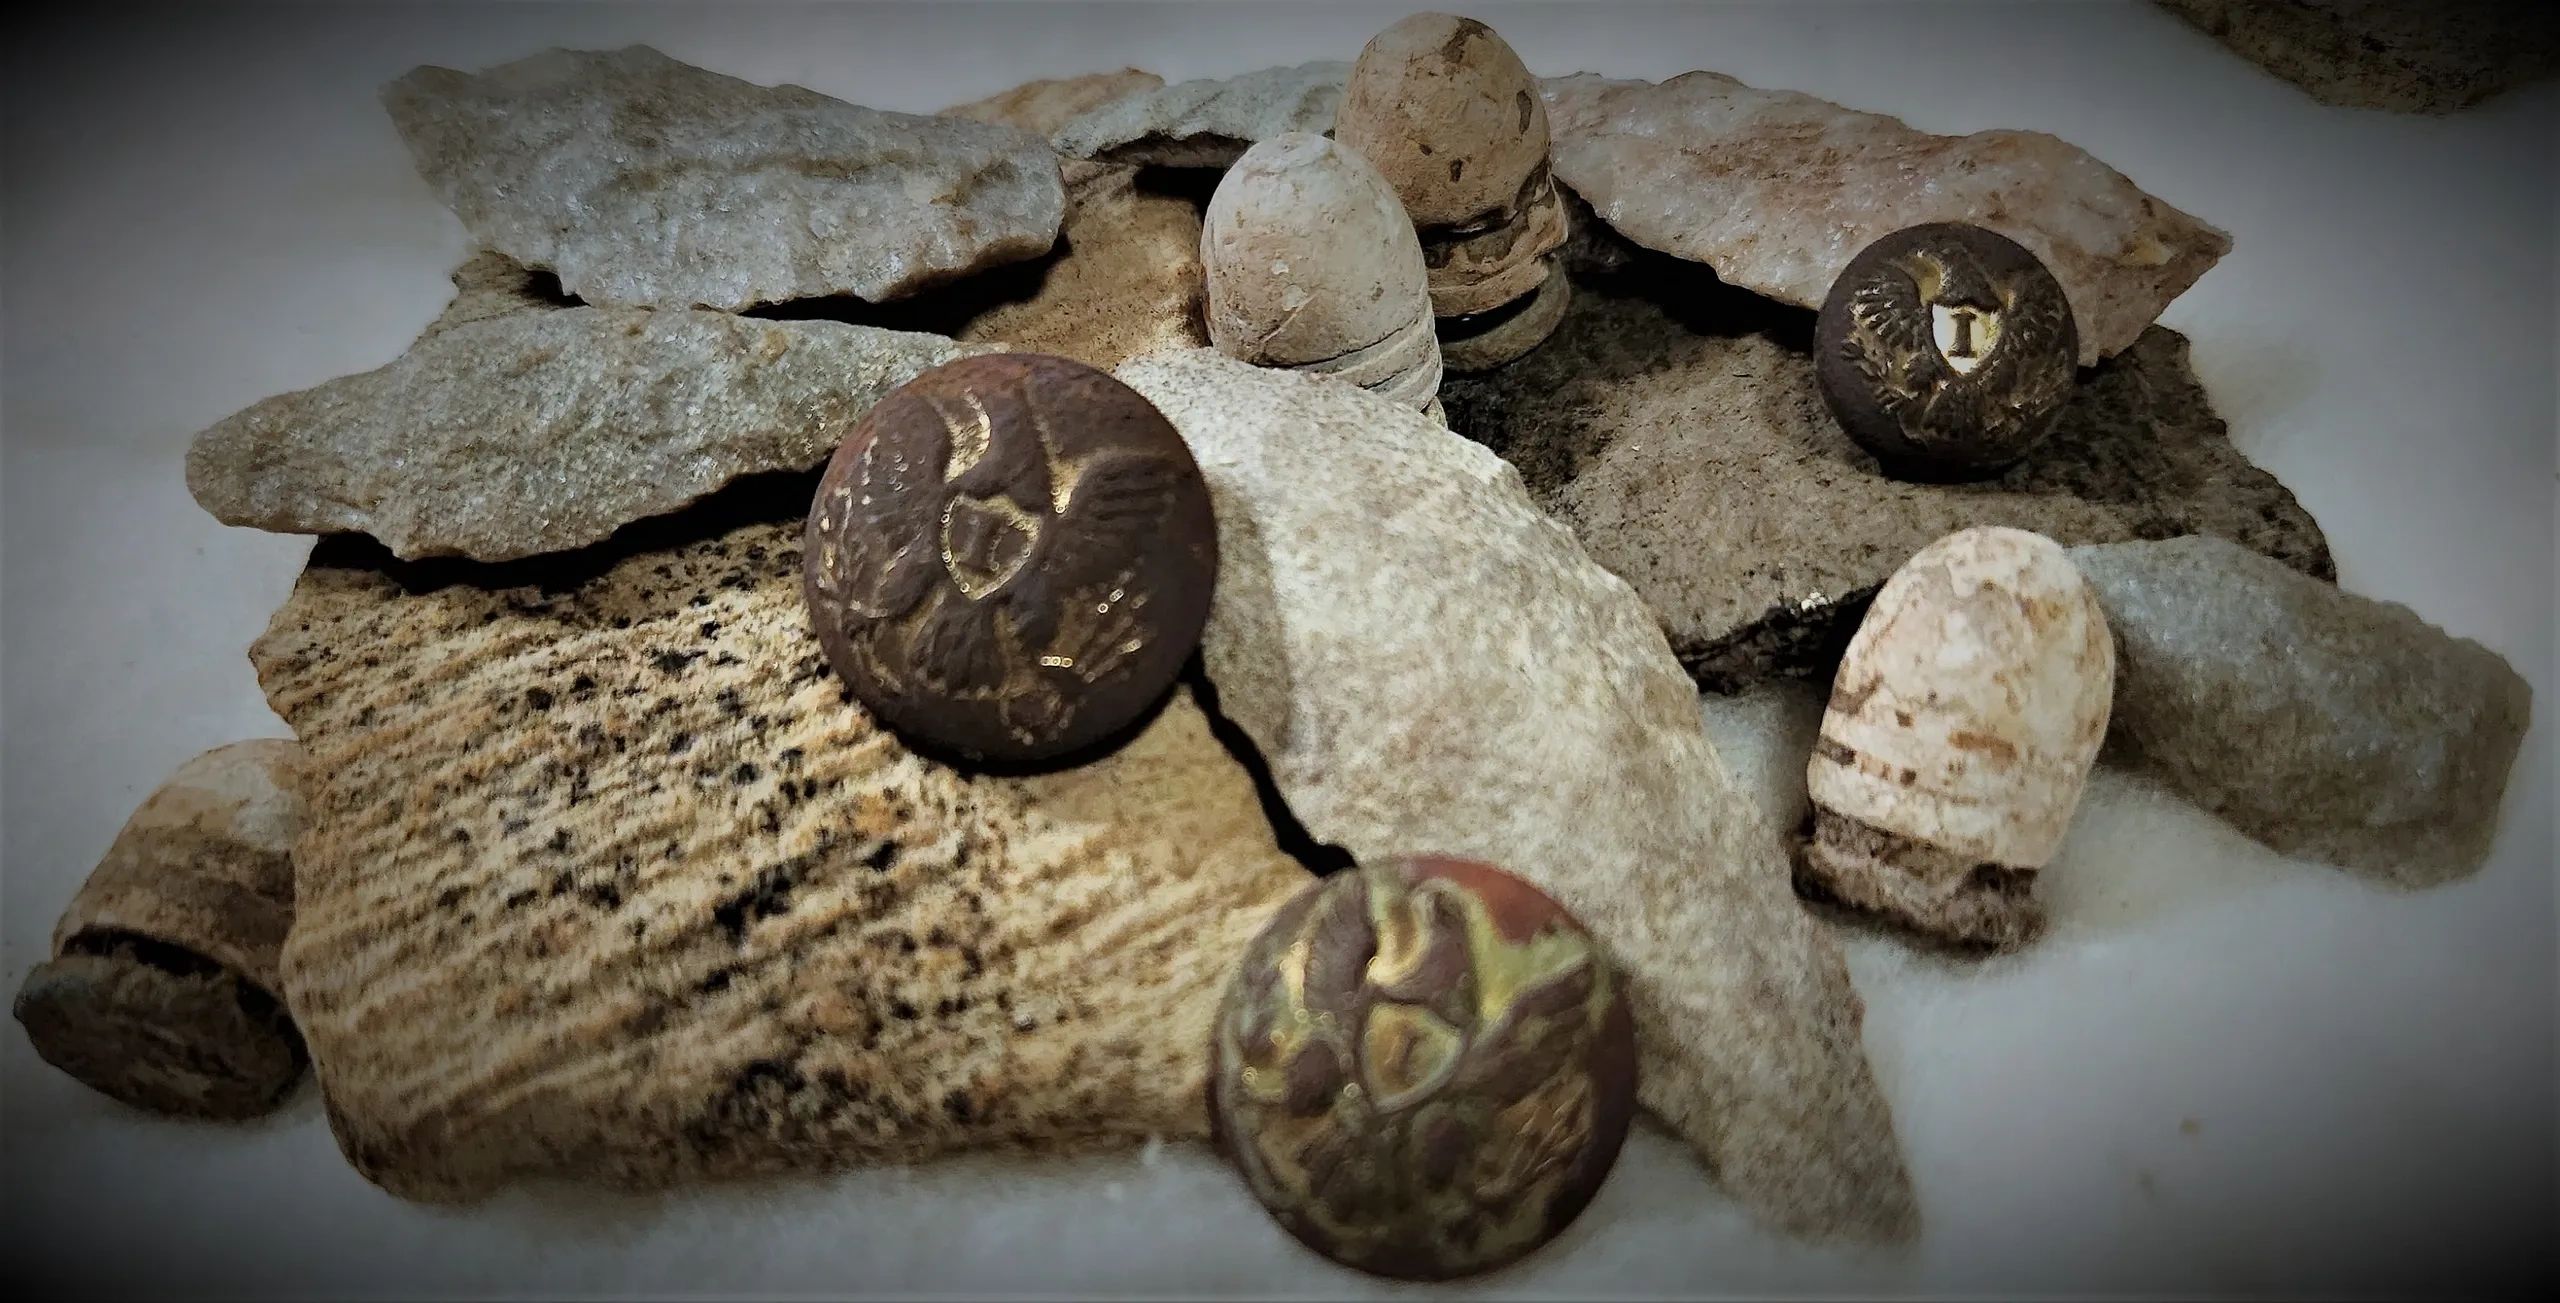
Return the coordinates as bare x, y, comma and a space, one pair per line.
643, 181
1777, 191
1210, 122
530, 427
1426, 660
2326, 725
607, 881
1041, 107
1125, 281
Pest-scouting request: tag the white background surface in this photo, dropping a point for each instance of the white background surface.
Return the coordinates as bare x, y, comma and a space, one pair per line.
2223, 1072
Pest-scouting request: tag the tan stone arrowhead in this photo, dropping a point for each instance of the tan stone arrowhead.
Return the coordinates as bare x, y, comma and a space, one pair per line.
609, 879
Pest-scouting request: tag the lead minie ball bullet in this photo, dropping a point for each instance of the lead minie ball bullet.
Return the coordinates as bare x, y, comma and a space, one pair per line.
1445, 110
1960, 732
1312, 265
1947, 351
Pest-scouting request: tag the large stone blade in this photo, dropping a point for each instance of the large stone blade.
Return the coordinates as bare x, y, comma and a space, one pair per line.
606, 878
1431, 665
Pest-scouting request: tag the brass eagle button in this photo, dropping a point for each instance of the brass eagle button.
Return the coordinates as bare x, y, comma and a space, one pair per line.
1010, 558
1423, 1068
1947, 351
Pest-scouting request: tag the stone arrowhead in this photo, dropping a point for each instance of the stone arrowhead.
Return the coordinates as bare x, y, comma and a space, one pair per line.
608, 879
1778, 190
642, 181
1125, 276
1210, 122
1430, 665
1042, 107
518, 425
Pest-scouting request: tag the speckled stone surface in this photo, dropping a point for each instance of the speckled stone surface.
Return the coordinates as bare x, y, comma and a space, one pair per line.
1428, 664
2432, 57
643, 181
519, 425
2326, 725
1209, 122
1778, 190
491, 285
1675, 424
206, 861
608, 879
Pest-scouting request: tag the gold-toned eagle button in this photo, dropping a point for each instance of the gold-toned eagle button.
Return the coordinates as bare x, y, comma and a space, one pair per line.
1947, 351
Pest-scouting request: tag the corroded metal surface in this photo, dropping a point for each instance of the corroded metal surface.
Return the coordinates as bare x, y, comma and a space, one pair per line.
1423, 1068
1011, 558
1946, 350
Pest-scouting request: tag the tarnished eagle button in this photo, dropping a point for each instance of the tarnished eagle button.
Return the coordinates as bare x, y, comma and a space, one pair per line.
1464, 1088
1946, 350
1010, 558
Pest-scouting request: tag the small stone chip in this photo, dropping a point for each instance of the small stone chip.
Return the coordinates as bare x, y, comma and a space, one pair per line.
1011, 558
161, 989
187, 1039
1424, 1068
